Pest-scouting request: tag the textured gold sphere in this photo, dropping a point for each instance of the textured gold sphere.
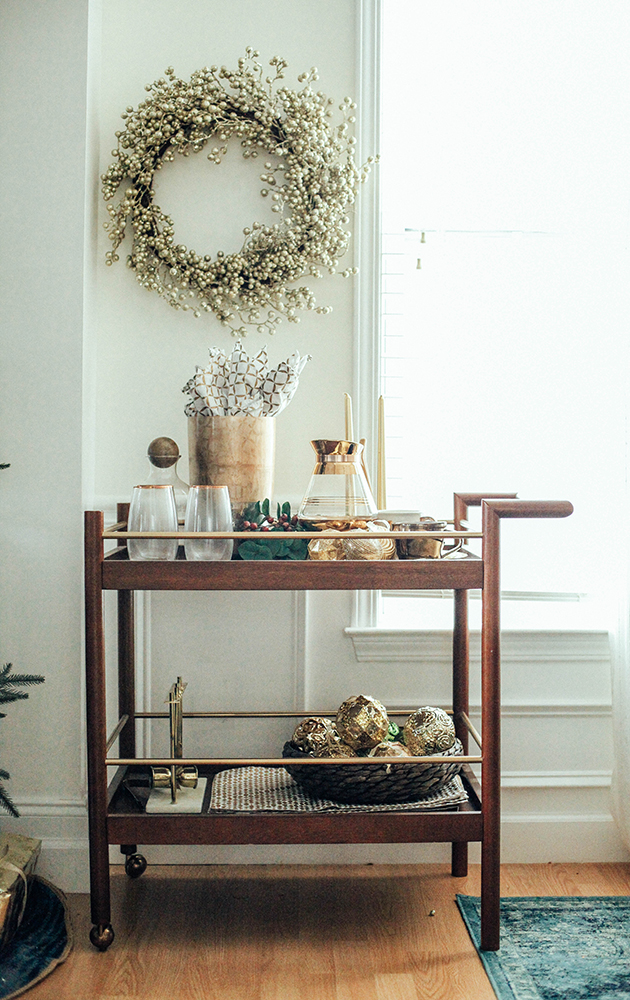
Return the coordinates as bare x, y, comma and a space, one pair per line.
429, 730
362, 722
335, 748
312, 733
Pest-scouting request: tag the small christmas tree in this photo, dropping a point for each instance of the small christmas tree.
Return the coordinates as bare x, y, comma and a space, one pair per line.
10, 685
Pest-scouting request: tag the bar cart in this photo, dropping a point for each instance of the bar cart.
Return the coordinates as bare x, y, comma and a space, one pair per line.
114, 816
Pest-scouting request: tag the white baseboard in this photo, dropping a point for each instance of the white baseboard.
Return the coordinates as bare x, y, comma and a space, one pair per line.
526, 839
61, 825
65, 863
540, 839
579, 829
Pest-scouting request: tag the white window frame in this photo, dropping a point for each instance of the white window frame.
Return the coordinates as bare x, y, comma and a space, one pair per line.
367, 305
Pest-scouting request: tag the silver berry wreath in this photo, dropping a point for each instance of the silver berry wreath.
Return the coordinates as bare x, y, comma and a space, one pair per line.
312, 185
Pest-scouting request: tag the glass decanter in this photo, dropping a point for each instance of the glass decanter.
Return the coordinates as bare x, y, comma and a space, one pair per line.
338, 489
163, 454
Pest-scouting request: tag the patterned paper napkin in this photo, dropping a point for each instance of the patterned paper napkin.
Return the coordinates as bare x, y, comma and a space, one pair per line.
235, 383
269, 789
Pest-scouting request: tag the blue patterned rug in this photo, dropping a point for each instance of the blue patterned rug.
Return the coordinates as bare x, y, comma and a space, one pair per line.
558, 947
41, 942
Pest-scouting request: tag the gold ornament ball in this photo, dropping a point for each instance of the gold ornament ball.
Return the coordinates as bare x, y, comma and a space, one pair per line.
312, 733
362, 722
429, 730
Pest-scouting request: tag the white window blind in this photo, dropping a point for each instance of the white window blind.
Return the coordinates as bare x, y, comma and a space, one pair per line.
505, 173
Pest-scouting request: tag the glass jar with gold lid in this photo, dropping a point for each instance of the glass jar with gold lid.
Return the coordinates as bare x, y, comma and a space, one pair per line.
338, 489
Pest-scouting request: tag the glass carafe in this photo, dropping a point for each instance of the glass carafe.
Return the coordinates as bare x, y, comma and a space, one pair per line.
163, 455
338, 489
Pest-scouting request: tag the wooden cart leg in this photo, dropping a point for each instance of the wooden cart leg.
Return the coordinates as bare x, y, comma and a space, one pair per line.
461, 688
490, 896
492, 511
459, 851
102, 933
459, 859
126, 660
135, 864
491, 734
126, 672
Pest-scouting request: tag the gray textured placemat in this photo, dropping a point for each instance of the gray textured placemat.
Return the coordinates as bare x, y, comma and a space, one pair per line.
272, 789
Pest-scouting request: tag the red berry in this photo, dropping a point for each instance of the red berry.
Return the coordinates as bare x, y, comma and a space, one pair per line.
246, 525
294, 519
265, 528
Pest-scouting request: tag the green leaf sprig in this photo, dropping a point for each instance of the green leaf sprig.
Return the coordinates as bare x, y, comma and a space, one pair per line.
257, 518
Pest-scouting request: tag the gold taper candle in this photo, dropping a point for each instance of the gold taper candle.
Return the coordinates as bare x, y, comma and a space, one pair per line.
347, 399
381, 487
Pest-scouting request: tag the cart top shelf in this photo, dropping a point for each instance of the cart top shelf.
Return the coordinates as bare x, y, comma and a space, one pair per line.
121, 573
115, 571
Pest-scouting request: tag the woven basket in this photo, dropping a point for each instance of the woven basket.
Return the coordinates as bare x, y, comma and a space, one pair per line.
373, 785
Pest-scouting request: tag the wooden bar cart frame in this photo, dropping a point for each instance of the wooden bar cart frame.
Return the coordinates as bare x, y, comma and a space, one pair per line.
114, 818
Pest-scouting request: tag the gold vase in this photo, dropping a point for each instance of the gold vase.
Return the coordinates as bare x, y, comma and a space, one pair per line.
235, 451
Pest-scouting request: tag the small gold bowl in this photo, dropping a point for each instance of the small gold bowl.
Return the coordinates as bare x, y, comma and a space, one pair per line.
426, 547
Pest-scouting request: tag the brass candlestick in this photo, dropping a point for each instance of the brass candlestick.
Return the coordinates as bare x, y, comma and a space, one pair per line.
176, 776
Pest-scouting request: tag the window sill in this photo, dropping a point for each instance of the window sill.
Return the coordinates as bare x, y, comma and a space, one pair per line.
378, 645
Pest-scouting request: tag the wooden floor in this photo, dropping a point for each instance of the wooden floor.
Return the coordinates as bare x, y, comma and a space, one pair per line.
357, 932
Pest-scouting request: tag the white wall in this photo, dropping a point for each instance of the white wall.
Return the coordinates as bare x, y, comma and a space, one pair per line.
92, 368
43, 74
144, 351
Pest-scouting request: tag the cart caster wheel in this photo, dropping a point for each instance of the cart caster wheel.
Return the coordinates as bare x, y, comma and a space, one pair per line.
135, 865
102, 936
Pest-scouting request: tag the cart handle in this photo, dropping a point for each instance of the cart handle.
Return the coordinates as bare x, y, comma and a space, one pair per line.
462, 501
474, 499
510, 507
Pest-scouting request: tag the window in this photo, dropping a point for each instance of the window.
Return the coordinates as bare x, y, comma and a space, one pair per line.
504, 179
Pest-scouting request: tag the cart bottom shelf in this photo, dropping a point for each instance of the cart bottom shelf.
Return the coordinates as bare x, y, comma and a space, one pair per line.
128, 824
